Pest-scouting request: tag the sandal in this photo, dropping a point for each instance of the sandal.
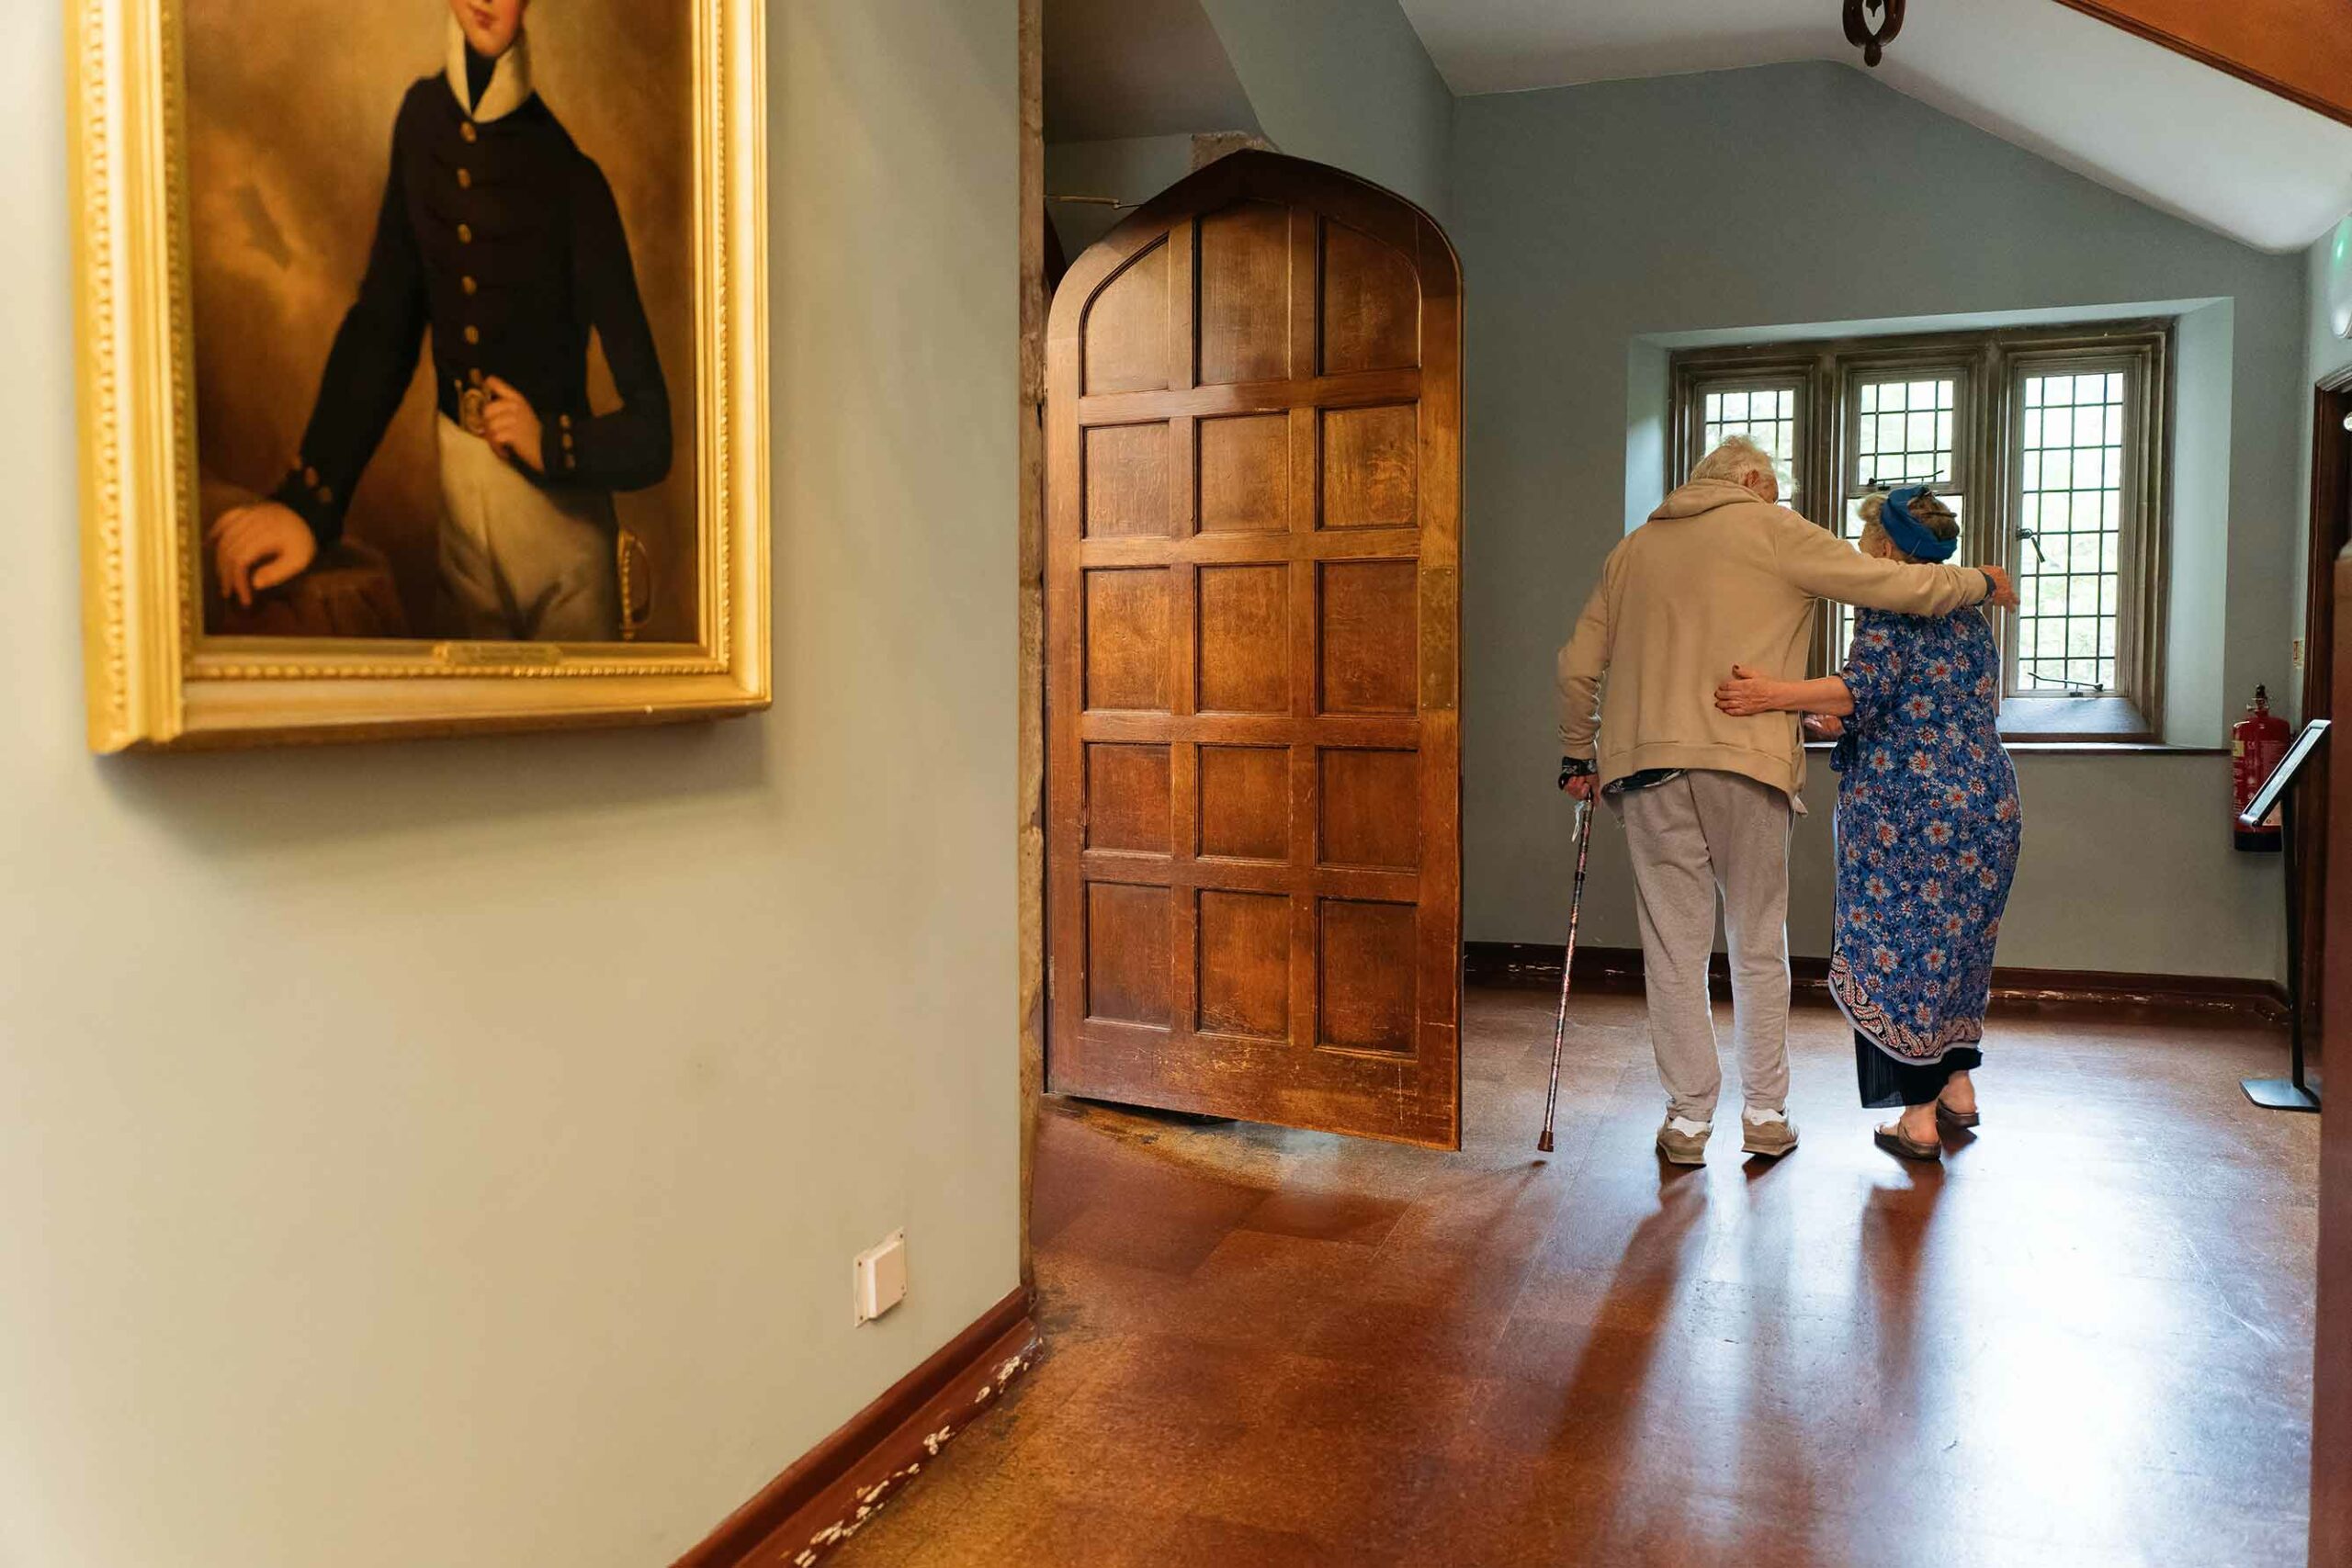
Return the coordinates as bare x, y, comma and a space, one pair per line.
1895, 1141
1959, 1120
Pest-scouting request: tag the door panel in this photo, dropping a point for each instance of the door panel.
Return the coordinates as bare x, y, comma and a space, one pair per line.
1243, 806
1253, 513
1126, 639
1128, 788
1126, 480
1245, 293
1369, 319
1244, 640
1369, 635
1372, 467
1245, 474
1126, 347
2331, 1530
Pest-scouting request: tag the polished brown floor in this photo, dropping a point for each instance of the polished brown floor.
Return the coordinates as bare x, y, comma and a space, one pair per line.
2084, 1342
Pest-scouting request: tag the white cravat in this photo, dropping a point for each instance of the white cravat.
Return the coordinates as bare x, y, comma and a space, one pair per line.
510, 79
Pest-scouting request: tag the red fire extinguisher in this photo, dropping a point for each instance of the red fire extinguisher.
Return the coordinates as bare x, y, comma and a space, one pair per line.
2257, 742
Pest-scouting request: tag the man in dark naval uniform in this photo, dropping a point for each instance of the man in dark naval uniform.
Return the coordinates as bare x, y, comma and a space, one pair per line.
500, 237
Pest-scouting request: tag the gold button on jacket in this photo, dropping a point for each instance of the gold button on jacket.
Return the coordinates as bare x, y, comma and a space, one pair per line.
502, 240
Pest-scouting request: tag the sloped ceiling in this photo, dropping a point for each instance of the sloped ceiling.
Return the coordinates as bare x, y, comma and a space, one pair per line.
1126, 68
2133, 116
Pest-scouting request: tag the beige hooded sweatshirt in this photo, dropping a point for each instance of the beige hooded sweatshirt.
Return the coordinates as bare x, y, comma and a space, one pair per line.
1717, 578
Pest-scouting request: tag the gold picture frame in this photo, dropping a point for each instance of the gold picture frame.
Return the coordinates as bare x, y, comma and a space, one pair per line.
156, 678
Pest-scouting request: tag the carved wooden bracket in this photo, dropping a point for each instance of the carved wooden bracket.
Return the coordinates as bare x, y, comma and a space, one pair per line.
1871, 38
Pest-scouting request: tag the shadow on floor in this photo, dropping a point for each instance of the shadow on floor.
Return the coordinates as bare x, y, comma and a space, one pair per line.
2083, 1340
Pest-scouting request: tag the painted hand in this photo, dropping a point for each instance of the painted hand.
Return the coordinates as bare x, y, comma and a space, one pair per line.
1584, 786
258, 547
1747, 693
511, 426
2004, 592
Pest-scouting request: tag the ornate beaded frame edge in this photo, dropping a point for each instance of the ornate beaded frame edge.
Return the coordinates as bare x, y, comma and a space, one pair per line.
154, 678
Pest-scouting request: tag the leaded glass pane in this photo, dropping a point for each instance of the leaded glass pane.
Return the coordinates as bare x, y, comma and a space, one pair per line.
1904, 433
2070, 532
1765, 415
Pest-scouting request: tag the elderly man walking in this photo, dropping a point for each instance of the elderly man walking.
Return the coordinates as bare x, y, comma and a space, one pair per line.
1719, 575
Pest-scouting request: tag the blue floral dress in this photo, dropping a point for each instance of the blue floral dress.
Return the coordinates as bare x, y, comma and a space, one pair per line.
1927, 831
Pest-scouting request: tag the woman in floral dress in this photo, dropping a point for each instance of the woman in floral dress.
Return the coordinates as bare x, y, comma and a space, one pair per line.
1928, 833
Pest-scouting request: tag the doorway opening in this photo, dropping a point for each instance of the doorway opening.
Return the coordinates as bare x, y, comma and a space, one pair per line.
1473, 1354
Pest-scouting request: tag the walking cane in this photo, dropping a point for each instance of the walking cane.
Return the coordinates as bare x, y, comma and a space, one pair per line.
1567, 972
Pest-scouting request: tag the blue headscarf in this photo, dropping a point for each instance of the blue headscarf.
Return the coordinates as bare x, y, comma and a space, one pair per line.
1911, 536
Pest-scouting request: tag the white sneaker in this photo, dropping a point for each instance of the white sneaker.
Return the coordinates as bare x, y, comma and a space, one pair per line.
1767, 1132
1684, 1142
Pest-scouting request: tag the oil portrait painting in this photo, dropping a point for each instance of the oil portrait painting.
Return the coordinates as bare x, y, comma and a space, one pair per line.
466, 329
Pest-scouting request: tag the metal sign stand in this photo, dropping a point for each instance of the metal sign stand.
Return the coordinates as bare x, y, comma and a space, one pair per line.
2292, 1092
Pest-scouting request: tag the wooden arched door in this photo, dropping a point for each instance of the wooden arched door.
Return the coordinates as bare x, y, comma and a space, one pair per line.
1253, 603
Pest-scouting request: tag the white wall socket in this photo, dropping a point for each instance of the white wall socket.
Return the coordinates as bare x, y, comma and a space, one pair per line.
881, 1276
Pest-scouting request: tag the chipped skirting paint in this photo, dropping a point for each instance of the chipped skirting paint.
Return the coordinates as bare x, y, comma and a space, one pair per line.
867, 1498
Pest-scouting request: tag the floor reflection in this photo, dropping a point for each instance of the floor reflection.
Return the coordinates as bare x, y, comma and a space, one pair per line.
2077, 1342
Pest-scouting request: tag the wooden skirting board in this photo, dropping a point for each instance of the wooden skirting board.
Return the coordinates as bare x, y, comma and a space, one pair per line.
1620, 969
830, 1493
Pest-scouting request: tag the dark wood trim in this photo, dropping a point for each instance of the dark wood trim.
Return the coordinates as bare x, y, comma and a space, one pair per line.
2331, 1540
2329, 534
1030, 725
829, 1493
2328, 975
2318, 38
1619, 970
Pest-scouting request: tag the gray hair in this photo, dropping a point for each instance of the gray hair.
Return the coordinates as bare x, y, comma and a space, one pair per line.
1929, 512
1733, 459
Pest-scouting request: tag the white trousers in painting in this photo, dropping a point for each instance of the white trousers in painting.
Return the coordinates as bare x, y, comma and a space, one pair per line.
519, 562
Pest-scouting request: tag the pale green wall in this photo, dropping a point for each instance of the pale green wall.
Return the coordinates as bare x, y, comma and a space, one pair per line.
1339, 82
1589, 217
1345, 82
1134, 169
453, 1154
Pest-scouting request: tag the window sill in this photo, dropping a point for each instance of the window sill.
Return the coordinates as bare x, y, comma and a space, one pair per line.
2108, 720
2108, 748
2029, 747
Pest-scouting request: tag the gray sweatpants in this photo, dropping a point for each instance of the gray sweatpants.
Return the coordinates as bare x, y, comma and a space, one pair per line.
1693, 837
